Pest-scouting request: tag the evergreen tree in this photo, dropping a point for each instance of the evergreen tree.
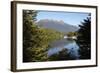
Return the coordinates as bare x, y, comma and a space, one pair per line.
84, 39
28, 22
34, 40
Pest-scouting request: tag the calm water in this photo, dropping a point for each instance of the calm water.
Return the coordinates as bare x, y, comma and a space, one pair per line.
70, 45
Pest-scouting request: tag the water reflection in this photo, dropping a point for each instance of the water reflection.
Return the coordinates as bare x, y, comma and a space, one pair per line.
68, 44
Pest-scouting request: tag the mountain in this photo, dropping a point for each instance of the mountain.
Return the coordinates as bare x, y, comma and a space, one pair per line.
57, 25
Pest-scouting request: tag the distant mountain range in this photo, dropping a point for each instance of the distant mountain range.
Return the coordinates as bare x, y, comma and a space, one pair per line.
60, 26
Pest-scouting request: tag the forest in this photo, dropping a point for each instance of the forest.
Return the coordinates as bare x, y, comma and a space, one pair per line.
36, 40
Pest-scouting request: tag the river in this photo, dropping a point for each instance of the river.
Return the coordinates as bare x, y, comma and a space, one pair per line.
68, 44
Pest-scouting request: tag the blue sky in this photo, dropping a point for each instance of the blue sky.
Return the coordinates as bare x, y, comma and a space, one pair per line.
72, 18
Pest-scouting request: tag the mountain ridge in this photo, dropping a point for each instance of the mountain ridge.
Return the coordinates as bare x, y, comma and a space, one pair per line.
58, 25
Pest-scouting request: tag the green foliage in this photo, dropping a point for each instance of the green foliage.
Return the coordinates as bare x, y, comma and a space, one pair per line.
84, 39
28, 21
42, 38
71, 34
35, 39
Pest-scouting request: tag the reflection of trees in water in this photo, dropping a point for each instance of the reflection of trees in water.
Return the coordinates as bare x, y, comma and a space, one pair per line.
60, 43
84, 39
61, 55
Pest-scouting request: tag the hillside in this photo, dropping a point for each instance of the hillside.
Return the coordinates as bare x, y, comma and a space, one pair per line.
60, 26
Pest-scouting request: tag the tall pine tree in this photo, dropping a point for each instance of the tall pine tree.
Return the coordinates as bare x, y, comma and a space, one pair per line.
84, 39
29, 17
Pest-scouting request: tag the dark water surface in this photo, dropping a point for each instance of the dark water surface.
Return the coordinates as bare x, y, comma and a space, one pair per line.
68, 44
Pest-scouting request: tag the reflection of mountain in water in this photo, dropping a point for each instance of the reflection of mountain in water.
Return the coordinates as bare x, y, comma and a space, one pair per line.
57, 46
57, 25
60, 43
